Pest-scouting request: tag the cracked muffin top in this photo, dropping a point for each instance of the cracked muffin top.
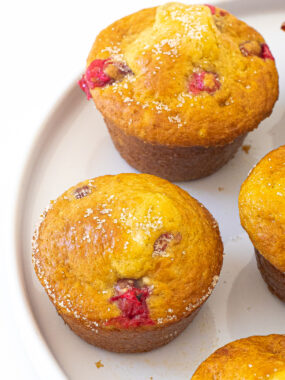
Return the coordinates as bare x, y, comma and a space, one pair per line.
127, 250
262, 207
182, 75
256, 357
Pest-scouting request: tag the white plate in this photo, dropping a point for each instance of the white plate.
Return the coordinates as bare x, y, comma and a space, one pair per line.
73, 145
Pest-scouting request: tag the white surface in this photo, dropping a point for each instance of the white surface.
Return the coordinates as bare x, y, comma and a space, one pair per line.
45, 46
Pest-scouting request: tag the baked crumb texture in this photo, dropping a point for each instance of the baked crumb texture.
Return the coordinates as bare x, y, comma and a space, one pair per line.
262, 207
256, 357
182, 75
127, 254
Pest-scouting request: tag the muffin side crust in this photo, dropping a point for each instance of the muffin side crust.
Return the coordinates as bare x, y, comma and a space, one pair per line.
262, 207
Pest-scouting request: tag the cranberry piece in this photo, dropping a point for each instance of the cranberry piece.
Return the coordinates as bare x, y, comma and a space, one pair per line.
81, 192
212, 8
283, 26
266, 53
84, 87
161, 244
101, 72
131, 300
204, 81
250, 48
95, 76
223, 13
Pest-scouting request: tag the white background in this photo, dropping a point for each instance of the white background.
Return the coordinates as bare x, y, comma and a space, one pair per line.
44, 45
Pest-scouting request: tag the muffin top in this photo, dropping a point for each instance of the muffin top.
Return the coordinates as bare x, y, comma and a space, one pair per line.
182, 75
262, 207
256, 357
129, 236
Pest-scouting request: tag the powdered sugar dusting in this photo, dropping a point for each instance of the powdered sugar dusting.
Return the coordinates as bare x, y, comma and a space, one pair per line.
160, 106
88, 212
190, 19
172, 44
191, 306
183, 25
115, 52
176, 119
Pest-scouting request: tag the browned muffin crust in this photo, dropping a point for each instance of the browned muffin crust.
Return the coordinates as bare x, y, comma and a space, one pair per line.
262, 205
274, 278
175, 163
130, 340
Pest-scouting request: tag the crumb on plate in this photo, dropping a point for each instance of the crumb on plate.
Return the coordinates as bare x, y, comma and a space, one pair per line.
246, 148
99, 364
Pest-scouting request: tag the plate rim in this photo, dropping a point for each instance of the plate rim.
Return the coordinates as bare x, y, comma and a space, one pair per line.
44, 361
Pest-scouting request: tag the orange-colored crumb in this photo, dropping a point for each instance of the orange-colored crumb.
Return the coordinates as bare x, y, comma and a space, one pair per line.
99, 364
246, 148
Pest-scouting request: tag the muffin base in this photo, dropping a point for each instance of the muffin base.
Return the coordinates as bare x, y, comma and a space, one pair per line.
129, 340
274, 278
175, 163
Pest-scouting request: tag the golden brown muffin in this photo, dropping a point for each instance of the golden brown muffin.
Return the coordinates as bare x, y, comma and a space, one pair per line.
256, 357
127, 260
180, 86
262, 214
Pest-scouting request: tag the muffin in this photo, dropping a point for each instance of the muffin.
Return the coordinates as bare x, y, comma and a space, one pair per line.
180, 86
262, 214
256, 357
127, 260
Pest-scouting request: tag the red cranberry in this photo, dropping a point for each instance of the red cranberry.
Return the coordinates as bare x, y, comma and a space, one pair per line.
101, 72
204, 81
81, 192
95, 76
84, 87
131, 300
283, 26
223, 13
212, 8
266, 53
